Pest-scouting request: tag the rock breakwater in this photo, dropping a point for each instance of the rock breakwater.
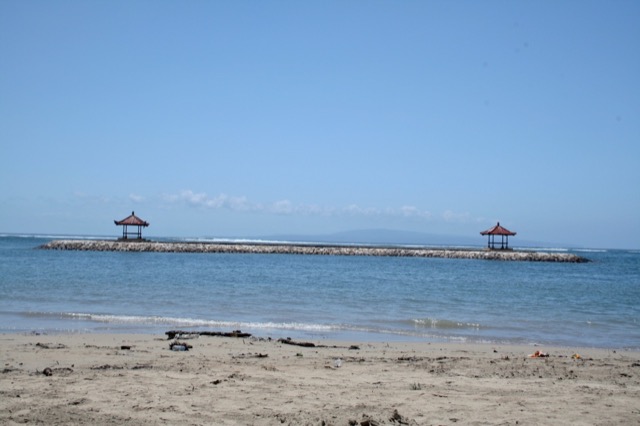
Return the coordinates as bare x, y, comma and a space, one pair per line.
309, 249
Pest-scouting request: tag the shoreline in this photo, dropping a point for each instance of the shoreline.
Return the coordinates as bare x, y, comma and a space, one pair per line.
309, 249
138, 379
318, 339
321, 338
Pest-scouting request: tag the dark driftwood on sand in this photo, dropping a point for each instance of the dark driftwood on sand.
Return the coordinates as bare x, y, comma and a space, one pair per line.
294, 343
236, 333
289, 341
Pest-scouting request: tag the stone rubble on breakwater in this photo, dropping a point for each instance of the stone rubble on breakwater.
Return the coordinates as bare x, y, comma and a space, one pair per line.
309, 249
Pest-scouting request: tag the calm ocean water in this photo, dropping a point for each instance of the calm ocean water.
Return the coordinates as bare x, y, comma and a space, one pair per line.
593, 304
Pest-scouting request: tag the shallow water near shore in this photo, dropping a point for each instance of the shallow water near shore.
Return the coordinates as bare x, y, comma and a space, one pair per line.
334, 297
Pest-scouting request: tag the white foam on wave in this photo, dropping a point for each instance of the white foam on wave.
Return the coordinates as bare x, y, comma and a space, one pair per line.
444, 324
140, 320
271, 242
193, 322
115, 322
563, 249
59, 236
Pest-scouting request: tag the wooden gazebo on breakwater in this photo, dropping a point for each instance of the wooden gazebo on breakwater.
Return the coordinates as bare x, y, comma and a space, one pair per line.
504, 234
135, 221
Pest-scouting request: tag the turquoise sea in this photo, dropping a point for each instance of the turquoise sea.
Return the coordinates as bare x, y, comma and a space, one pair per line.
595, 304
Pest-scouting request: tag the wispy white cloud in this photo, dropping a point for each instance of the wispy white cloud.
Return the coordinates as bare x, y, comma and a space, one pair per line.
287, 207
282, 207
201, 199
136, 198
456, 217
356, 210
412, 211
91, 198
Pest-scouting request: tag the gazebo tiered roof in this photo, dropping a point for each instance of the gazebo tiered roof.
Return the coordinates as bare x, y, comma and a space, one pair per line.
504, 234
131, 220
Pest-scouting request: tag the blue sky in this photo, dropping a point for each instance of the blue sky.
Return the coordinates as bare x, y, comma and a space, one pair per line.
246, 118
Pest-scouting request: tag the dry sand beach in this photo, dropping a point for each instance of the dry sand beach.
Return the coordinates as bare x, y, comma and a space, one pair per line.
138, 379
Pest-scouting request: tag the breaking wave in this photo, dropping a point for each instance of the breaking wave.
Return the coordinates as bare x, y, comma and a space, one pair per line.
443, 324
178, 321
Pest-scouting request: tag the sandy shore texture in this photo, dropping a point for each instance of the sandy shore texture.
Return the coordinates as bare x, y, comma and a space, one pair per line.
309, 249
138, 380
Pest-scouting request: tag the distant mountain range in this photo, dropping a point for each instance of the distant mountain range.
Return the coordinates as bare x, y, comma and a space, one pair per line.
394, 237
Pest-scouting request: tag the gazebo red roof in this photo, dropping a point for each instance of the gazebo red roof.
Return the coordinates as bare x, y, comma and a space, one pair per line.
132, 220
497, 230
